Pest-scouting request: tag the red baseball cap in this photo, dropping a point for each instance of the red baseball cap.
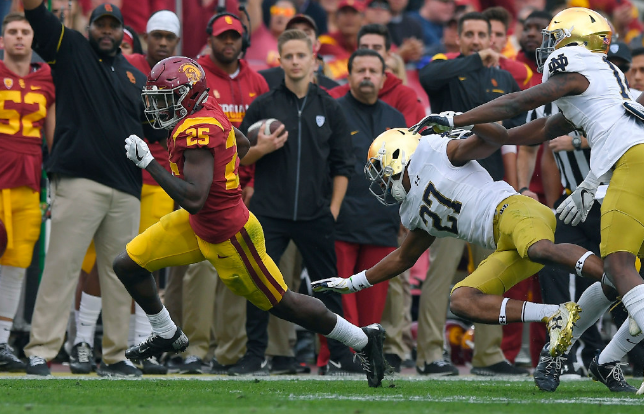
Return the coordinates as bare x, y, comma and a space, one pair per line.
356, 5
226, 23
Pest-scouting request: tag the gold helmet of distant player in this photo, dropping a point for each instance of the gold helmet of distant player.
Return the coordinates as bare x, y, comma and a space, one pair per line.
576, 26
387, 158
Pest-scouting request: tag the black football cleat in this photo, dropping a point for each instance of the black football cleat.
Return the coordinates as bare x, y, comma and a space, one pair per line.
610, 374
548, 370
372, 356
156, 345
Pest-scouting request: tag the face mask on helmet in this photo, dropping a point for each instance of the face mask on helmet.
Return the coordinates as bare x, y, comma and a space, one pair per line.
386, 186
548, 45
163, 107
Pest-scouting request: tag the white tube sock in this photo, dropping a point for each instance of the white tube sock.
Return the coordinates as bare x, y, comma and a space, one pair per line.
142, 327
162, 324
348, 334
537, 312
10, 287
634, 302
593, 305
90, 309
619, 345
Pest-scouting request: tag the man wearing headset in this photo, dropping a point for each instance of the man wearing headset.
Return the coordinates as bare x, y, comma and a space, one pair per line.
234, 85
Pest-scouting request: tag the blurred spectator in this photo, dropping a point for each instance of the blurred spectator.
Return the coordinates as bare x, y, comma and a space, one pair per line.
460, 84
313, 9
275, 76
136, 13
518, 25
449, 42
209, 303
432, 16
377, 12
73, 17
366, 230
635, 76
395, 65
29, 92
394, 93
131, 42
292, 199
337, 46
95, 189
402, 26
263, 50
330, 7
499, 20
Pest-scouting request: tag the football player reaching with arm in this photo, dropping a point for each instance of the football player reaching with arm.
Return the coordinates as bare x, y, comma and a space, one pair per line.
444, 193
214, 224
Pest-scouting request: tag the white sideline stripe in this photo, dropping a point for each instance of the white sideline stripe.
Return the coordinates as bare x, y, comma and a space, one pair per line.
472, 400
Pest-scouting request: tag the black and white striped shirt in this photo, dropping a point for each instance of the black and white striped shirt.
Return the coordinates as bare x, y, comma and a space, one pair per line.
573, 165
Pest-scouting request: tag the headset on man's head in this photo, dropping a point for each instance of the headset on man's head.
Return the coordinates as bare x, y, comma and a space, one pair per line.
221, 12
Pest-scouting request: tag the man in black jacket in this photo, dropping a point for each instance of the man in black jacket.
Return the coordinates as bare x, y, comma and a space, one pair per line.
95, 189
366, 230
300, 183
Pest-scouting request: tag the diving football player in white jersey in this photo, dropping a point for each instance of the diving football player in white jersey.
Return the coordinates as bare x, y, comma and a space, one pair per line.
593, 96
444, 193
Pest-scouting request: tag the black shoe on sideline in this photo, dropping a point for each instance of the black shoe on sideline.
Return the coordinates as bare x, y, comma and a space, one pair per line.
394, 362
9, 362
439, 368
81, 358
156, 345
503, 368
151, 366
121, 369
37, 366
283, 365
250, 365
191, 365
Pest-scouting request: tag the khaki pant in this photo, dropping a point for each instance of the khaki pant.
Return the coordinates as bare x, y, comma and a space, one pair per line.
173, 295
281, 333
445, 255
83, 209
396, 318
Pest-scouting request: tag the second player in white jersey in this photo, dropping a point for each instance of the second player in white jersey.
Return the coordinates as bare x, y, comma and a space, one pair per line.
449, 201
598, 111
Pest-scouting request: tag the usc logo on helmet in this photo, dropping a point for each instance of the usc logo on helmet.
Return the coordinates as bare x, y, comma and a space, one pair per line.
228, 20
191, 71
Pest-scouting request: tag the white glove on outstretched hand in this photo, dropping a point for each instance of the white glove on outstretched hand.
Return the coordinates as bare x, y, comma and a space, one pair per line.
340, 285
137, 151
575, 208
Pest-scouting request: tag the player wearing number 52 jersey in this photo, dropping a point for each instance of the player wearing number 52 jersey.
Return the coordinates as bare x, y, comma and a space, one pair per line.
26, 99
214, 224
445, 193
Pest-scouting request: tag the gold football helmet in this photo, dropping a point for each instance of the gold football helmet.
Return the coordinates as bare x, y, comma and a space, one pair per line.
574, 26
387, 158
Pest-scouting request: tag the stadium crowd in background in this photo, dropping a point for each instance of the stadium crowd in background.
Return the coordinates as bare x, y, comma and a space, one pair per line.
425, 56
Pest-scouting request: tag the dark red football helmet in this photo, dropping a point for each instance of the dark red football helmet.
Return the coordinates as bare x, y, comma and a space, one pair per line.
176, 87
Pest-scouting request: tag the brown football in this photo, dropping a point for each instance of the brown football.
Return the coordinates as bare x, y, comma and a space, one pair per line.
270, 125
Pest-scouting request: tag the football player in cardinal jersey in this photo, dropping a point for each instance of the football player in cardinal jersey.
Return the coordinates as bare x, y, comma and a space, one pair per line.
593, 96
443, 193
214, 224
27, 96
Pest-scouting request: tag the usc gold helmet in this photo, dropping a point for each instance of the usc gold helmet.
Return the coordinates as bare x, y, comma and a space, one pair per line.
387, 158
576, 26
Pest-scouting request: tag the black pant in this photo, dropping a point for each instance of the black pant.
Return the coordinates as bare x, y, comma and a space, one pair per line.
556, 283
316, 242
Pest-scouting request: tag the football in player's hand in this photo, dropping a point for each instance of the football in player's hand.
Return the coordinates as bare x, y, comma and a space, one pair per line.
3, 238
270, 125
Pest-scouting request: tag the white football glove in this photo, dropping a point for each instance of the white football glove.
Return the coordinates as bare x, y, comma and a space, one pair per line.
575, 208
137, 151
340, 285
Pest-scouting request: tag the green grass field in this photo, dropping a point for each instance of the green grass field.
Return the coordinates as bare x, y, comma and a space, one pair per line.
306, 395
